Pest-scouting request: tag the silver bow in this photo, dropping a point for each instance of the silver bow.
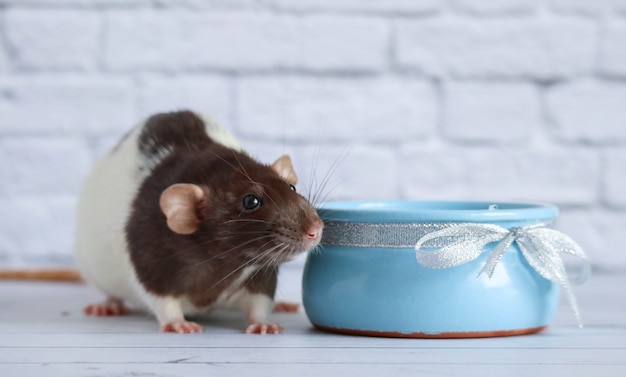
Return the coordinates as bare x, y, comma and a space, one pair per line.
540, 246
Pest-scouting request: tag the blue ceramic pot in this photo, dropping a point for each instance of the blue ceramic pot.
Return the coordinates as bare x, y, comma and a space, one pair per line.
369, 289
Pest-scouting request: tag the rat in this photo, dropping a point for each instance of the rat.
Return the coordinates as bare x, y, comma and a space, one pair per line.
178, 219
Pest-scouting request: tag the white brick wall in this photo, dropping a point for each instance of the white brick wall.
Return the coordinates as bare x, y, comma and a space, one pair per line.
71, 42
589, 111
179, 40
544, 48
506, 113
614, 189
390, 110
588, 7
567, 177
612, 51
495, 7
61, 104
402, 7
210, 94
402, 99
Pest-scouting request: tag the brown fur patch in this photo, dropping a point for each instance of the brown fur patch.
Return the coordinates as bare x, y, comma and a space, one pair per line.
207, 262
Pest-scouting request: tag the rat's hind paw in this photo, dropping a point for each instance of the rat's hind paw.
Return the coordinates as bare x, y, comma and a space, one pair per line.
286, 307
111, 307
264, 328
182, 327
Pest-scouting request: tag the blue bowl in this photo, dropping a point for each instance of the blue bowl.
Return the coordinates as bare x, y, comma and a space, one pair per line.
365, 279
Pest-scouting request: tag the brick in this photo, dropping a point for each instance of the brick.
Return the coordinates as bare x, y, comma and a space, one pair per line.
39, 229
351, 173
558, 48
290, 280
327, 171
31, 166
336, 172
77, 3
492, 174
600, 233
211, 96
356, 6
103, 145
588, 7
613, 49
53, 39
267, 151
59, 104
4, 63
588, 111
215, 4
177, 40
486, 111
347, 109
495, 7
615, 178
4, 57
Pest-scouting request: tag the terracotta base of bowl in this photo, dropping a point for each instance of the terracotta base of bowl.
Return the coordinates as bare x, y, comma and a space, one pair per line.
444, 335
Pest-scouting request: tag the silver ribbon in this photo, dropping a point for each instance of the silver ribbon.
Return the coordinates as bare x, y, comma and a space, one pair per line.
540, 246
384, 235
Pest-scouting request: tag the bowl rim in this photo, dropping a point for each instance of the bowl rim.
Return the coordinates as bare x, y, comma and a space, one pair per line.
434, 210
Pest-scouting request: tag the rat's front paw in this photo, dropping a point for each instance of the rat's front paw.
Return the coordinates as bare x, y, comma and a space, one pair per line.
111, 307
181, 327
264, 328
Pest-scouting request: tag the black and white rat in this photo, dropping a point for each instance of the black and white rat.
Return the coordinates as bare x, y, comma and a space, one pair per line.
178, 219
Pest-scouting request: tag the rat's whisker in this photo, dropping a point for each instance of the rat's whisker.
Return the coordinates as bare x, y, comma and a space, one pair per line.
239, 246
243, 170
244, 265
319, 189
271, 263
314, 166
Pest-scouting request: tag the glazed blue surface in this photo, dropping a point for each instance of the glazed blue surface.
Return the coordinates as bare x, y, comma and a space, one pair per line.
431, 211
386, 290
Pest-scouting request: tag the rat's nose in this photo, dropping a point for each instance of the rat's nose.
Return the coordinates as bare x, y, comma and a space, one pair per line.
314, 231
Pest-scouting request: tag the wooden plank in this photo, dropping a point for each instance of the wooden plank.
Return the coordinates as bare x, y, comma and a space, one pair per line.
564, 338
43, 332
308, 370
422, 356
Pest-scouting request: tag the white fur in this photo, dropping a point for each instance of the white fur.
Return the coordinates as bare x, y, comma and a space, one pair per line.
229, 299
257, 306
105, 202
100, 246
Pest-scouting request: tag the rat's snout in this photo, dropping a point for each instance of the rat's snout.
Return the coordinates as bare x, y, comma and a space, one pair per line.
315, 229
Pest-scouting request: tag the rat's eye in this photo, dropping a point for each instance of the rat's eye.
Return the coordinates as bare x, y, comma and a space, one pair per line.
292, 187
251, 202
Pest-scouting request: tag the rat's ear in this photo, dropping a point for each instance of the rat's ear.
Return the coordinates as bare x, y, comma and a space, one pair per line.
284, 168
180, 204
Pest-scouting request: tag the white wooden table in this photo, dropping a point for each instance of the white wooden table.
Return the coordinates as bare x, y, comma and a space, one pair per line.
43, 333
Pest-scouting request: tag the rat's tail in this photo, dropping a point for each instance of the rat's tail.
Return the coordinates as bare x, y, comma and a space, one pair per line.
49, 274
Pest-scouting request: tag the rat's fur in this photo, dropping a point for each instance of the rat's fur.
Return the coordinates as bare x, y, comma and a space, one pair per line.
126, 246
